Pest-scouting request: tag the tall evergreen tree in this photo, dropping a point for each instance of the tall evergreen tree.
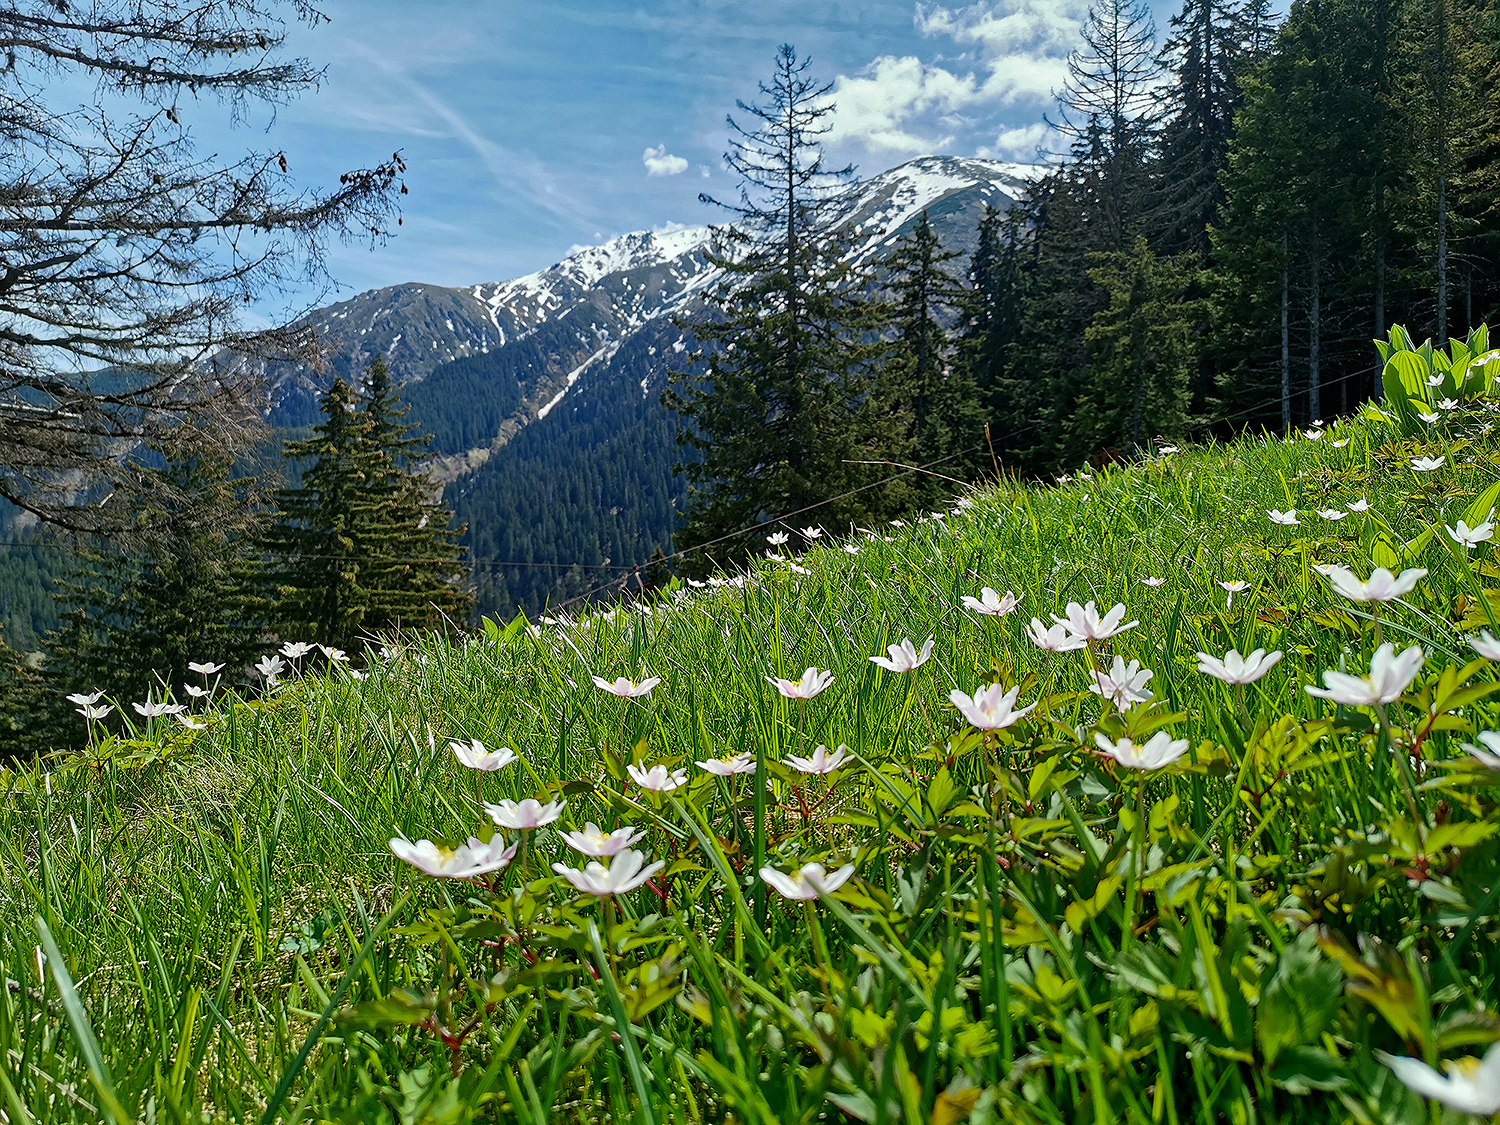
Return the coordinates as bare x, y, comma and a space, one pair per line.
781, 403
359, 547
190, 594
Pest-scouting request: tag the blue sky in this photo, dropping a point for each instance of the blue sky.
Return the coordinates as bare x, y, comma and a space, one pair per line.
530, 127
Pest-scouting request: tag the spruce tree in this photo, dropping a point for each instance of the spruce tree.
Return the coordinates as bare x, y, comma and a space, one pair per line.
781, 402
190, 594
359, 547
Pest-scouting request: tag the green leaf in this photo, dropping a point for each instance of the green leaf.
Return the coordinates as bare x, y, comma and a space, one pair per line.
83, 1030
1301, 999
1301, 1070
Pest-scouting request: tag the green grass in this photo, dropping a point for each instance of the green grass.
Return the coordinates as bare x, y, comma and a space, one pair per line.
235, 941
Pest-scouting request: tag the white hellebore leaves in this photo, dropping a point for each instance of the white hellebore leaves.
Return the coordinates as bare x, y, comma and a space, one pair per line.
476, 757
812, 682
1237, 669
658, 778
522, 815
991, 603
624, 873
904, 656
1161, 750
1383, 586
594, 842
821, 761
1473, 1089
463, 862
990, 708
626, 689
1390, 675
804, 884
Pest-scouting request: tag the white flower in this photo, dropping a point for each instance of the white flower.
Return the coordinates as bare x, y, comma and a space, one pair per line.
728, 767
1486, 645
1055, 639
804, 884
1286, 519
1123, 685
295, 650
1312, 435
1161, 750
1237, 669
1383, 586
623, 874
850, 549
795, 569
1488, 758
626, 689
1360, 505
811, 683
1471, 537
1340, 443
195, 691
1472, 1088
1233, 587
821, 762
90, 712
1390, 675
151, 710
476, 757
991, 707
270, 667
1447, 404
1428, 464
990, 602
904, 657
595, 842
1153, 582
1084, 621
1167, 450
205, 669
1332, 513
813, 532
88, 700
192, 723
337, 655
527, 814
1429, 418
464, 862
658, 778
1435, 380
777, 538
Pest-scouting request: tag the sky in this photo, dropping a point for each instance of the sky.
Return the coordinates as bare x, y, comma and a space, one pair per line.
531, 127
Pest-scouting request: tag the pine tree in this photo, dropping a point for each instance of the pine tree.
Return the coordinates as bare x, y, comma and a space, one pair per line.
923, 383
136, 620
359, 547
781, 402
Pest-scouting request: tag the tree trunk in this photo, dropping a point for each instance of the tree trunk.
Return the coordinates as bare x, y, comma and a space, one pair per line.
1314, 343
1286, 348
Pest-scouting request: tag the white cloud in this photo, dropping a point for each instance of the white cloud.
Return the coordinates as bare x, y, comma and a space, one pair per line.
876, 107
659, 162
1023, 44
1019, 143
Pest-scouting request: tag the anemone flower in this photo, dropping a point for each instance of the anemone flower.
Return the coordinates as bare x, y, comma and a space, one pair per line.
88, 700
1390, 675
1287, 518
623, 874
270, 667
295, 650
525, 815
1428, 464
192, 722
336, 655
850, 549
1485, 645
1334, 514
463, 862
1471, 537
1153, 582
804, 884
1383, 586
476, 757
1123, 685
149, 710
625, 688
1160, 750
821, 762
813, 532
1340, 443
195, 691
904, 657
728, 767
91, 712
991, 707
1472, 1089
1167, 450
596, 843
991, 603
658, 778
812, 682
1084, 621
1055, 639
1428, 417
1237, 669
1360, 505
1447, 404
205, 669
778, 538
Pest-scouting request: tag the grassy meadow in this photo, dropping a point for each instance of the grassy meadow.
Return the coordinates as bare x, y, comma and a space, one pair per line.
204, 926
